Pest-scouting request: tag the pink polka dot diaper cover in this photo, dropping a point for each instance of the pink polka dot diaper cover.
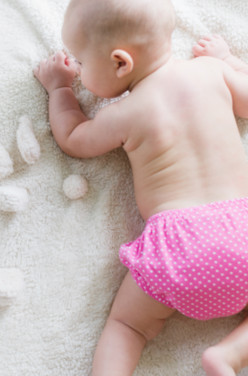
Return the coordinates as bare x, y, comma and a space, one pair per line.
194, 259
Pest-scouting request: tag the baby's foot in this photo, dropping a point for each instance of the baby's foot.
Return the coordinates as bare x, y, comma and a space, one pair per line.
215, 362
214, 46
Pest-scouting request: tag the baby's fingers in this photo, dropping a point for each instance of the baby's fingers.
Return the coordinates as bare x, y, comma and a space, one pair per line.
59, 57
36, 71
198, 50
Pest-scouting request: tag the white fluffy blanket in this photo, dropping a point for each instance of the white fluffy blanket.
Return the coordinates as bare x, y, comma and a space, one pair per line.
68, 249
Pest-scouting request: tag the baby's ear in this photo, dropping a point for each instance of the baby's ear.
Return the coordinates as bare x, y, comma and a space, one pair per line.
123, 62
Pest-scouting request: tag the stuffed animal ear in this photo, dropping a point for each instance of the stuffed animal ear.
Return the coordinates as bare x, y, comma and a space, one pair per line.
123, 62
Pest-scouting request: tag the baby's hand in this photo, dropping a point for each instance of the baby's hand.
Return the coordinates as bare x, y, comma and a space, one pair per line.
55, 72
214, 46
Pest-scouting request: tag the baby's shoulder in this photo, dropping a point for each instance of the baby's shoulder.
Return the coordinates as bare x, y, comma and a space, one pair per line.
207, 62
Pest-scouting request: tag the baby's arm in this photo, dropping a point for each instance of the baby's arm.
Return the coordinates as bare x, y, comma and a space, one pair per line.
75, 134
216, 46
235, 71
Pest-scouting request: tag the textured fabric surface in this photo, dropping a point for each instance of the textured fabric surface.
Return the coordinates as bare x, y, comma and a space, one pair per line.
194, 259
68, 249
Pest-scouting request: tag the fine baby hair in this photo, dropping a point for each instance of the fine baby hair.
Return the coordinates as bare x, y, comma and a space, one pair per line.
127, 32
137, 22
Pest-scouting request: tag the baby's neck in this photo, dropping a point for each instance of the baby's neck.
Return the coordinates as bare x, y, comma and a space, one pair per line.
148, 69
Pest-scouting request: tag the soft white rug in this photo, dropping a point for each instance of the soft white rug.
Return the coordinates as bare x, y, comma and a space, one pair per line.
68, 249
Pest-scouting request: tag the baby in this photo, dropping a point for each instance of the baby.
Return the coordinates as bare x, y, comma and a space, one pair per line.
190, 173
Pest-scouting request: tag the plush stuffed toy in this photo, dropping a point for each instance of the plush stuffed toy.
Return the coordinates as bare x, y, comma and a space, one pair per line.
6, 164
26, 141
11, 285
12, 198
15, 199
75, 186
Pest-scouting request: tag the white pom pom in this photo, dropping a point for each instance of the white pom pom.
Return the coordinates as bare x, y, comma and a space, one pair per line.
11, 284
75, 186
13, 199
6, 164
26, 141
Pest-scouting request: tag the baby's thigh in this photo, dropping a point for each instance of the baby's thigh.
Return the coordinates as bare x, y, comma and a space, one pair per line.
135, 308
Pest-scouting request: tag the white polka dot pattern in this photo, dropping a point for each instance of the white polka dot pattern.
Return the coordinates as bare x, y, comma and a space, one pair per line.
194, 259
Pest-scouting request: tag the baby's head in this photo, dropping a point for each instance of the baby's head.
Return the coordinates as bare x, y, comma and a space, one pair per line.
117, 40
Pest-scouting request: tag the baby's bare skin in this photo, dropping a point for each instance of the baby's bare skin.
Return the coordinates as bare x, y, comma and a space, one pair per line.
184, 148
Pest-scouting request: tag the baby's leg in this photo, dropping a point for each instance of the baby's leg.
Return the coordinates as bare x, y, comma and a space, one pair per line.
229, 356
134, 319
214, 46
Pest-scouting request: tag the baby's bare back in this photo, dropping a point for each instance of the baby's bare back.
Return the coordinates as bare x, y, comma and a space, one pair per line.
186, 148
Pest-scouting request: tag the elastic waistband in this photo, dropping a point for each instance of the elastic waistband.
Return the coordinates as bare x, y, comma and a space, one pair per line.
220, 206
